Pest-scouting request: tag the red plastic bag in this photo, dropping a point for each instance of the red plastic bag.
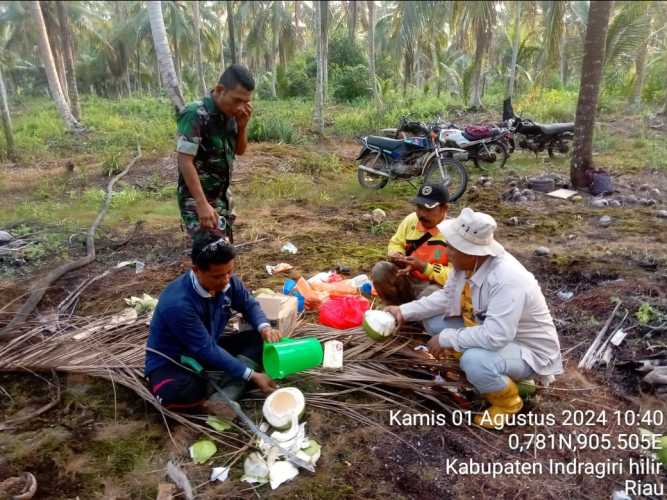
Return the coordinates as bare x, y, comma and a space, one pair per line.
344, 312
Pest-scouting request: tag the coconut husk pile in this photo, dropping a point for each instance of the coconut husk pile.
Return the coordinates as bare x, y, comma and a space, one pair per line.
385, 375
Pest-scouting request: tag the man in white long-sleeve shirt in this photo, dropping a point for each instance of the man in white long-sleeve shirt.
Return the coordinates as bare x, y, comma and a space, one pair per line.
491, 310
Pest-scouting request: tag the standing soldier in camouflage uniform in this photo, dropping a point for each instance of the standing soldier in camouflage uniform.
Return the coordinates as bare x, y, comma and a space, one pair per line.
210, 133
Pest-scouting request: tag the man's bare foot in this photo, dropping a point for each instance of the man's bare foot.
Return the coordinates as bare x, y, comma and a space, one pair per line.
220, 409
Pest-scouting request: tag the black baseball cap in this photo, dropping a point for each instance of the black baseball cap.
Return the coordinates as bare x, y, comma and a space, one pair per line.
431, 196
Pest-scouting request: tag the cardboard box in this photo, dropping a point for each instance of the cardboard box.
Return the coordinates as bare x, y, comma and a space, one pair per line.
281, 311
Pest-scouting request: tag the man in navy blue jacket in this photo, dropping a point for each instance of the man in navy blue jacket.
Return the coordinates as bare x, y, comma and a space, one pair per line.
189, 319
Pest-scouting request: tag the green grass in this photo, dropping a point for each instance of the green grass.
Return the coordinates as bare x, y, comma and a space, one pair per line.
75, 210
114, 128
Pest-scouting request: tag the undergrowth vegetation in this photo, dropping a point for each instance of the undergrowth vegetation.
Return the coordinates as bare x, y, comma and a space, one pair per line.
115, 128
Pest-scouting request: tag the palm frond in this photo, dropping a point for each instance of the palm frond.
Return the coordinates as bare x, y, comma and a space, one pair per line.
554, 25
627, 32
113, 347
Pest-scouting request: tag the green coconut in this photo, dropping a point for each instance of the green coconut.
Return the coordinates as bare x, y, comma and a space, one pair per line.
527, 388
379, 325
281, 405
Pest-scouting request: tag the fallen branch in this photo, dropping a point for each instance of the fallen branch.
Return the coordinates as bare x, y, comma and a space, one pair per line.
39, 289
249, 243
71, 300
588, 360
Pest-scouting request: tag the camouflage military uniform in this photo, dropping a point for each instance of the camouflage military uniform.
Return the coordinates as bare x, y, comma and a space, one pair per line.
207, 134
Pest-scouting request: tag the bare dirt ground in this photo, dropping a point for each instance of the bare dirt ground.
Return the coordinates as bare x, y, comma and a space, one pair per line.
103, 444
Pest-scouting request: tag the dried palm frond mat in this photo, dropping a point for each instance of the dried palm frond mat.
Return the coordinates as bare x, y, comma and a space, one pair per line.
387, 375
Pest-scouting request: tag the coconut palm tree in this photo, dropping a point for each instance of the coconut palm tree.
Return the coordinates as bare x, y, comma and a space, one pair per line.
554, 26
589, 89
371, 50
198, 52
68, 53
6, 118
321, 38
352, 19
165, 62
49, 65
640, 62
479, 18
230, 27
54, 35
408, 21
516, 40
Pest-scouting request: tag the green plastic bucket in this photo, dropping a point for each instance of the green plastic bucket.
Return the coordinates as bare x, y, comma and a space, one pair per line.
291, 356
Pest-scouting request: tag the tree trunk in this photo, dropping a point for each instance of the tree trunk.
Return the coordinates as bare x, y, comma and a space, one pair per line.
480, 49
53, 31
50, 67
408, 61
128, 82
230, 28
318, 108
435, 69
6, 119
515, 48
418, 69
68, 51
563, 59
324, 11
371, 50
177, 58
198, 50
165, 63
157, 73
296, 25
239, 39
275, 26
139, 87
640, 66
222, 45
591, 76
352, 19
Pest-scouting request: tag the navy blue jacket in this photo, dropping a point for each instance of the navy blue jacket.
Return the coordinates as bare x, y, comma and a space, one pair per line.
188, 322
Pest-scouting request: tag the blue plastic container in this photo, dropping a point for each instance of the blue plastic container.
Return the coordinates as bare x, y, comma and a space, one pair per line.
288, 289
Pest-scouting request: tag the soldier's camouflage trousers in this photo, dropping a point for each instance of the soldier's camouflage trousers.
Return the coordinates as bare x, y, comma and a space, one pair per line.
224, 205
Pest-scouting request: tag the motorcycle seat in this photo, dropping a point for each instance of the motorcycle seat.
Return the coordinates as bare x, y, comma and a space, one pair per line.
386, 143
477, 132
555, 128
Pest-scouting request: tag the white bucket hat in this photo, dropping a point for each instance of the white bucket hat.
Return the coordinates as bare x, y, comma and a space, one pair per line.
472, 233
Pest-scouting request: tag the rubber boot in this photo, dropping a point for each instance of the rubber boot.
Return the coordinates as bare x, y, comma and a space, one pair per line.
233, 389
503, 403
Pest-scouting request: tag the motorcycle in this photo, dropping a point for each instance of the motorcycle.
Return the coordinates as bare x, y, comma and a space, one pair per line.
484, 145
382, 159
537, 137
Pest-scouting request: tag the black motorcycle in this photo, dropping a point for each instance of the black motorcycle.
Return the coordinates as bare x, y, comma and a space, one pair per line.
382, 159
537, 137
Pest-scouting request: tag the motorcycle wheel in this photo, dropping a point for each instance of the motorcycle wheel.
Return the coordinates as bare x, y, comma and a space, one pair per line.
368, 179
501, 153
455, 177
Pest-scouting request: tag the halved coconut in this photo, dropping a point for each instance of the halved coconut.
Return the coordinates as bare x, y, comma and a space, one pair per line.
281, 404
379, 325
